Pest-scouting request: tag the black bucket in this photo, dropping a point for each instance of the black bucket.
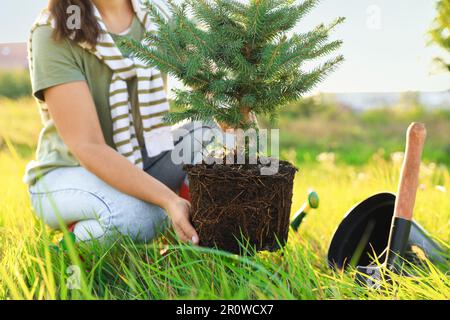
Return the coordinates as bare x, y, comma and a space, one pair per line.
364, 234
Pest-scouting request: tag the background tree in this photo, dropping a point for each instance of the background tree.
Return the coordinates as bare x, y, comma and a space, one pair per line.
236, 57
440, 34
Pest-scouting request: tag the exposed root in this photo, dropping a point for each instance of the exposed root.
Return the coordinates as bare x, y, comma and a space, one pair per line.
233, 200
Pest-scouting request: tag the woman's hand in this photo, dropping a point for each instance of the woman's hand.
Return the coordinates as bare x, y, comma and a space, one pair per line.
179, 212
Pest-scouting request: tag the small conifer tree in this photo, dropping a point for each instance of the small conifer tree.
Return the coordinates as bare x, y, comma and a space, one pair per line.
236, 58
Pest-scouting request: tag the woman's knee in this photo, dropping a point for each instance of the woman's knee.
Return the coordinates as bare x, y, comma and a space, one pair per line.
72, 195
96, 217
60, 208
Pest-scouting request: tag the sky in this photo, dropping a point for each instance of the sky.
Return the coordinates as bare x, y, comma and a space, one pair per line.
385, 42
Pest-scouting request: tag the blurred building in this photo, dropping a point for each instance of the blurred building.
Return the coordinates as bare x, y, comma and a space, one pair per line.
13, 56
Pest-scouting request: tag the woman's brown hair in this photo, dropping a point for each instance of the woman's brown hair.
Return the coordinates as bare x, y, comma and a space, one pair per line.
89, 29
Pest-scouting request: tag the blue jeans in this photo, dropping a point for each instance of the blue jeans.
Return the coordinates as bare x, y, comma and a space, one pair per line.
73, 195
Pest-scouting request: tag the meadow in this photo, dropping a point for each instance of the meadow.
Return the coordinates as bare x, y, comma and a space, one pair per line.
344, 156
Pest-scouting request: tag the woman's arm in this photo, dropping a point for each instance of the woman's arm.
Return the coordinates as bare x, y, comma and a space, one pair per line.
72, 109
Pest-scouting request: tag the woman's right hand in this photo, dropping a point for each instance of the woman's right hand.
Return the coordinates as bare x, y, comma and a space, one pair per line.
179, 212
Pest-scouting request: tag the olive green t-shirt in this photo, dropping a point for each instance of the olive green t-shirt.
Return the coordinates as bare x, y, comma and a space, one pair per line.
55, 63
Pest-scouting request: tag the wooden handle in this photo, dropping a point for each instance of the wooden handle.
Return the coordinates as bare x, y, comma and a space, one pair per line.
409, 175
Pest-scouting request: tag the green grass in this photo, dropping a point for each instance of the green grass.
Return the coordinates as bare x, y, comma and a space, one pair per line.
313, 126
15, 83
30, 269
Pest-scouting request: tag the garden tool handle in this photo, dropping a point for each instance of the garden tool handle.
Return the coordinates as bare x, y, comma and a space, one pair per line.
409, 175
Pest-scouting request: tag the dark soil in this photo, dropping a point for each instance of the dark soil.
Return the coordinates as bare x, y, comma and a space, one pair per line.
235, 203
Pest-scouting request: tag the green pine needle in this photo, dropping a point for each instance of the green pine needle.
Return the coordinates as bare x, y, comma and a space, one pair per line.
236, 54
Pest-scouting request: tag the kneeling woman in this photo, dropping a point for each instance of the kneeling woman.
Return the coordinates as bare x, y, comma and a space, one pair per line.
103, 164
